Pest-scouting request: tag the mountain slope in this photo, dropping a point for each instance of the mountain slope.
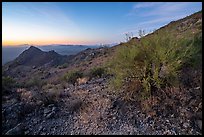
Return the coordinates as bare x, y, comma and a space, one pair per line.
182, 28
52, 105
35, 57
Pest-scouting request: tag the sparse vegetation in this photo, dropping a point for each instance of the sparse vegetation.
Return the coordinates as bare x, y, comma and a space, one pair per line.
97, 72
154, 63
156, 87
141, 33
35, 82
49, 94
72, 76
65, 65
7, 84
128, 36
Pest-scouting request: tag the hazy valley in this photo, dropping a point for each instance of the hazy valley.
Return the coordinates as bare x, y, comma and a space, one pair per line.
10, 53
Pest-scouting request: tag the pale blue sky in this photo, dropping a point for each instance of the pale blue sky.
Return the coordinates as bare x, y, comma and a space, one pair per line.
86, 22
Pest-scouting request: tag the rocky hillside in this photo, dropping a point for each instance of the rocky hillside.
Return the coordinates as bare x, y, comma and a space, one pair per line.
33, 56
185, 27
44, 93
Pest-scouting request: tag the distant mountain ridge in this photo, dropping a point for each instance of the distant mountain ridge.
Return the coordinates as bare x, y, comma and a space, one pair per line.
33, 56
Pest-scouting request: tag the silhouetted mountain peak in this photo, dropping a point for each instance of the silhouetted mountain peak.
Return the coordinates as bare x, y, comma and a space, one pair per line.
33, 48
33, 56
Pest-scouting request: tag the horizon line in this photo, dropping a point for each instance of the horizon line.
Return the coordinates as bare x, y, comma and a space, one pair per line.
21, 45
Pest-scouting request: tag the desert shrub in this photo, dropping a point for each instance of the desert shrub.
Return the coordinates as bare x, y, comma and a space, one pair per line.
26, 95
48, 86
52, 86
191, 73
20, 84
97, 72
65, 65
7, 84
34, 82
195, 60
50, 94
155, 62
72, 76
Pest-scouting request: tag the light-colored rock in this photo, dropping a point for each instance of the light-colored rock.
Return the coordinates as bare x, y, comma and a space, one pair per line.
82, 80
17, 130
199, 123
185, 125
50, 115
46, 111
54, 109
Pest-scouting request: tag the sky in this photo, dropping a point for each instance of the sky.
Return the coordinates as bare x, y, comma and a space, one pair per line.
90, 23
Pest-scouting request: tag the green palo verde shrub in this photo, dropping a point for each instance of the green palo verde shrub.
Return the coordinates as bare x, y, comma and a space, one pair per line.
153, 63
72, 76
65, 65
7, 84
34, 82
97, 72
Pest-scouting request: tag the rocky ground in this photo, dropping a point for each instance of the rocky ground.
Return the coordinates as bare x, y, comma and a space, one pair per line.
91, 109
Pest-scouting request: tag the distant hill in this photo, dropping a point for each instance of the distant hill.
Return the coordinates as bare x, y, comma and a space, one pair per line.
36, 57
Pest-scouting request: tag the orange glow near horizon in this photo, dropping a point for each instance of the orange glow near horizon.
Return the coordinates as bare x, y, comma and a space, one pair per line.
46, 23
40, 43
16, 43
